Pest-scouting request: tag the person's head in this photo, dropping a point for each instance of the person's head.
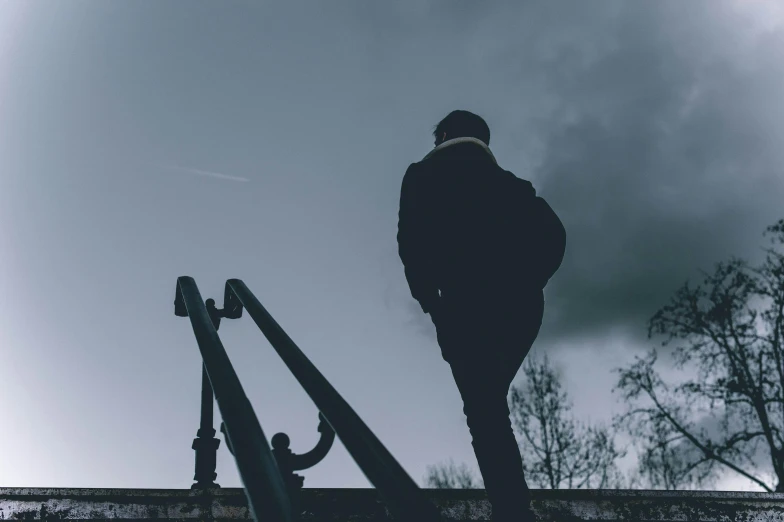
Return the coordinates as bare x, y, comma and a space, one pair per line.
462, 124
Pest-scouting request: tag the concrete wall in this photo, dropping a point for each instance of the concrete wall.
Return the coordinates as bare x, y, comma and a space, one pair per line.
339, 505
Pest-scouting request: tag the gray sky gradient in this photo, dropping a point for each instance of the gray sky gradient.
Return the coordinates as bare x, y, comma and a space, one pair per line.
655, 129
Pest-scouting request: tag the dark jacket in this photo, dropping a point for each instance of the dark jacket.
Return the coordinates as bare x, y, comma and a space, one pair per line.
456, 228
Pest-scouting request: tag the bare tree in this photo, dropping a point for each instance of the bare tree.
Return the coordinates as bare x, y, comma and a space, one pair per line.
730, 329
450, 476
558, 452
665, 462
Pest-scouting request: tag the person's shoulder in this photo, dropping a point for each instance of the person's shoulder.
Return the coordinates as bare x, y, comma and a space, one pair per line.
412, 171
412, 179
417, 165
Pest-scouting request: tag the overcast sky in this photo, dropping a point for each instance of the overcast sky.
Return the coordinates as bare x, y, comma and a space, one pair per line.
142, 141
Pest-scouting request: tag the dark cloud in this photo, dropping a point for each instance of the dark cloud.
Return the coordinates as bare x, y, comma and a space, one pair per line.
658, 138
668, 162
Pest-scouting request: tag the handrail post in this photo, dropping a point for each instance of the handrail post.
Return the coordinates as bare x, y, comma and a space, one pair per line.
205, 444
264, 487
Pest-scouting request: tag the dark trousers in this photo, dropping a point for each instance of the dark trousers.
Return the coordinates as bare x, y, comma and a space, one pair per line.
485, 342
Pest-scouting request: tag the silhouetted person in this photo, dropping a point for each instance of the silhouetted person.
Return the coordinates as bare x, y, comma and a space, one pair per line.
478, 247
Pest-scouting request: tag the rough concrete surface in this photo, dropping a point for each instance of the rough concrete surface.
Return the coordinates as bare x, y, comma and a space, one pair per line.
344, 505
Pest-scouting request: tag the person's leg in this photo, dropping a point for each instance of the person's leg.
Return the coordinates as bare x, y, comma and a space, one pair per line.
495, 446
485, 351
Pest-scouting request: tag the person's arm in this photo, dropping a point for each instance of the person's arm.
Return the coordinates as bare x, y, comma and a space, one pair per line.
413, 242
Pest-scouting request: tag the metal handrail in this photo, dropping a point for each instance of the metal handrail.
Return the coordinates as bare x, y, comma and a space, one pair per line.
401, 494
268, 498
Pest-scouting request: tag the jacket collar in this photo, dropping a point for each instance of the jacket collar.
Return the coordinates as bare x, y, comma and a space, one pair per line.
456, 141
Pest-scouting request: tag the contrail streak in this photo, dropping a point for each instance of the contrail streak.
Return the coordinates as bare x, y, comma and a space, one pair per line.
210, 174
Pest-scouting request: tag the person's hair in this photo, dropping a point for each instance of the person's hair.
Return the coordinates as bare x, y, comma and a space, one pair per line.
463, 124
